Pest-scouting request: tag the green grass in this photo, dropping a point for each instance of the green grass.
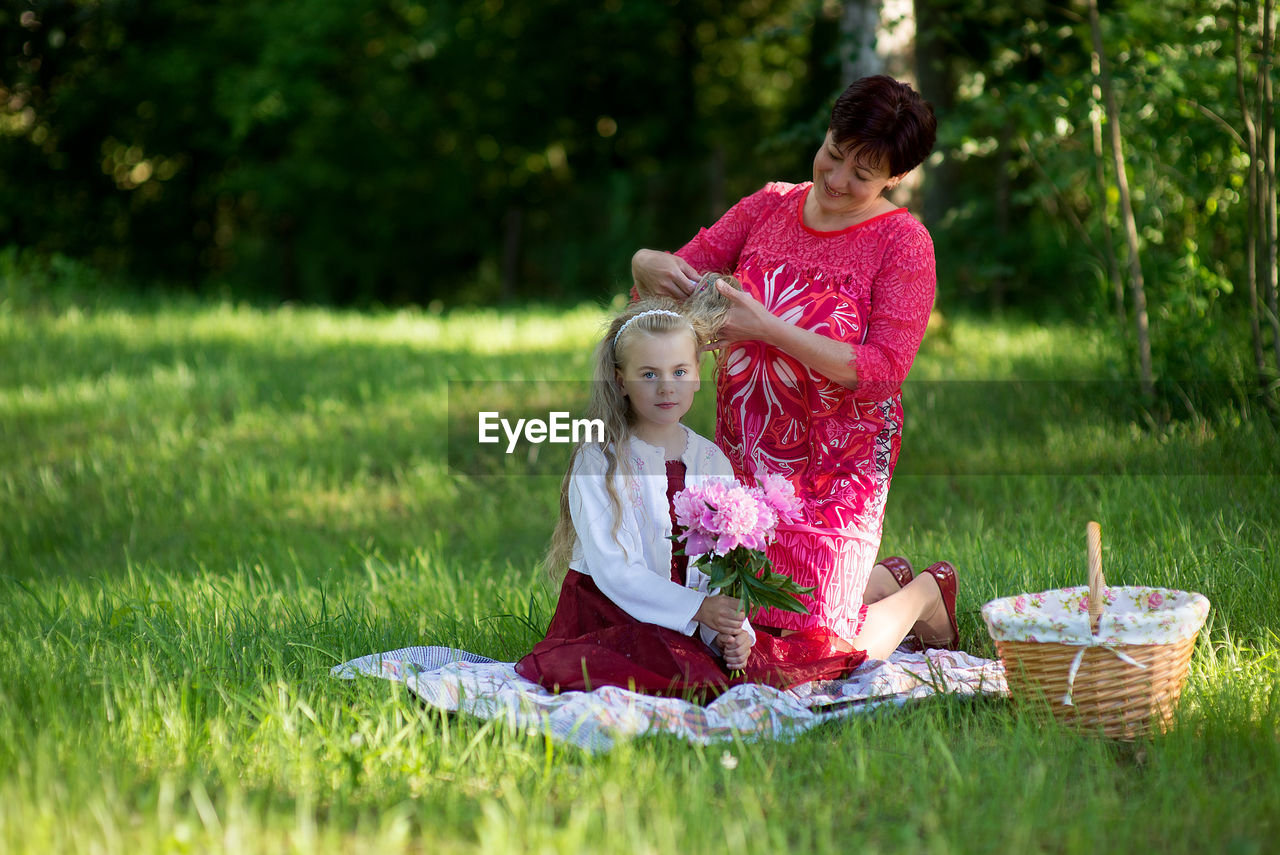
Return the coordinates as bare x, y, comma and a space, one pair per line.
203, 507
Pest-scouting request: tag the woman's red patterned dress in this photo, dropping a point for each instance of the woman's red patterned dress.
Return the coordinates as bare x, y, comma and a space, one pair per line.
870, 285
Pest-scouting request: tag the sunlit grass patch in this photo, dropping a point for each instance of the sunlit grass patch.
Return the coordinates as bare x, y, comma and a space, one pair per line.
205, 506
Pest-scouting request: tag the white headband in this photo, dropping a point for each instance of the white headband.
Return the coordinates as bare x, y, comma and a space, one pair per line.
634, 318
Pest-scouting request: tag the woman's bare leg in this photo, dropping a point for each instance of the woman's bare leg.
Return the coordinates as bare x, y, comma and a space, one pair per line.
918, 607
881, 584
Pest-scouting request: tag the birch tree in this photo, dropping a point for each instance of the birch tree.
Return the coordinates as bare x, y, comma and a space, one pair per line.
1137, 288
859, 25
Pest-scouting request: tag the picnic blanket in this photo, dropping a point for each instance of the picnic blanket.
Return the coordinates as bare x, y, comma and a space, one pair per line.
459, 681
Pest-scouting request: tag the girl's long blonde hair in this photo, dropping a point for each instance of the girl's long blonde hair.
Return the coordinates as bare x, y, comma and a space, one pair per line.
701, 314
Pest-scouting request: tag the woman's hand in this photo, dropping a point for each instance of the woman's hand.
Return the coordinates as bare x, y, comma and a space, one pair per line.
721, 614
748, 319
661, 274
736, 647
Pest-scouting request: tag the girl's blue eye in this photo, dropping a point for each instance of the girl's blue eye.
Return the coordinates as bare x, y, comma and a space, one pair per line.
680, 372
648, 375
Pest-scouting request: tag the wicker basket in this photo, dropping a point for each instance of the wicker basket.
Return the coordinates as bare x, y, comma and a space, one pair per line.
1103, 685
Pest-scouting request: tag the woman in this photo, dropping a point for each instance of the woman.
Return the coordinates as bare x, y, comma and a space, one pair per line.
838, 286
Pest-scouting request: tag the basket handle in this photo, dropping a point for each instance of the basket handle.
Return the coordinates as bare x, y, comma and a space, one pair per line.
1096, 580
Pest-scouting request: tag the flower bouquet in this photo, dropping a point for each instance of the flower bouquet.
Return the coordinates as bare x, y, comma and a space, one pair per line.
726, 528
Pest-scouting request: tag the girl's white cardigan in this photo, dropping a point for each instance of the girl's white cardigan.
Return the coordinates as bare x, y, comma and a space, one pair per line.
634, 569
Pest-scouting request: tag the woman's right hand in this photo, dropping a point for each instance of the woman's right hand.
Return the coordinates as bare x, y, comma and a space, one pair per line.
721, 614
662, 274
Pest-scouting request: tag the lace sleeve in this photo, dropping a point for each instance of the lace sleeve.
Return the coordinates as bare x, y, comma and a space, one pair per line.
719, 246
901, 300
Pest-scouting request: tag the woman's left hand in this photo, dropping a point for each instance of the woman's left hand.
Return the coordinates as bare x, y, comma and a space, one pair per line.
748, 319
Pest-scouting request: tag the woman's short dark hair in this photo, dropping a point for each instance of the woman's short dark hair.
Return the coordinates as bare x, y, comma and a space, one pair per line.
885, 121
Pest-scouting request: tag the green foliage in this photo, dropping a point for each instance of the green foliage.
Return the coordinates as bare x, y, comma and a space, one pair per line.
384, 150
748, 575
1023, 138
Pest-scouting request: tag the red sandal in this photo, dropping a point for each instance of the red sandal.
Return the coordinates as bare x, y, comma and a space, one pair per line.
899, 568
945, 575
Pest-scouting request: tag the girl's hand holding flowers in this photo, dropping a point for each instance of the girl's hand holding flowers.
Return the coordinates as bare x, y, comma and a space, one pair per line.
736, 647
721, 614
726, 528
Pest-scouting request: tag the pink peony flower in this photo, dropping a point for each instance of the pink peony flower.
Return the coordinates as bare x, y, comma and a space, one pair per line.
726, 528
1020, 604
697, 543
1155, 600
737, 522
689, 506
768, 517
719, 517
780, 495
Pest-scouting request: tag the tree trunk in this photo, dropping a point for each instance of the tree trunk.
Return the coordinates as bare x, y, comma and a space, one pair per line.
1266, 108
895, 40
936, 74
859, 23
895, 51
1004, 206
1100, 175
1253, 207
1136, 285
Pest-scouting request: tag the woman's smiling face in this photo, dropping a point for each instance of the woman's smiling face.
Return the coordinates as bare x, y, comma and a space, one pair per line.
846, 187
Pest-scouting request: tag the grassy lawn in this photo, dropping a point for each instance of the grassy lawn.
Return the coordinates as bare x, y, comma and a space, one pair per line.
205, 506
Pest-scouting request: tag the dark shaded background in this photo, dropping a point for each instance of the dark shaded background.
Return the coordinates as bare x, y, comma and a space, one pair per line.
461, 152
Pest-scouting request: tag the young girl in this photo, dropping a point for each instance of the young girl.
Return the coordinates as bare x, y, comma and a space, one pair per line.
629, 613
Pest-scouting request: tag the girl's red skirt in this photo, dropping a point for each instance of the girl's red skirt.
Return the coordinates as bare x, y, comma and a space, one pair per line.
592, 642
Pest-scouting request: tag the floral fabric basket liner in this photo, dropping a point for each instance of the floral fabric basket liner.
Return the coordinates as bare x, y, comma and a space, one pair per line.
1131, 615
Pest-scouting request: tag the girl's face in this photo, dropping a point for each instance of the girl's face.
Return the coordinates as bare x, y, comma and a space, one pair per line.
659, 376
